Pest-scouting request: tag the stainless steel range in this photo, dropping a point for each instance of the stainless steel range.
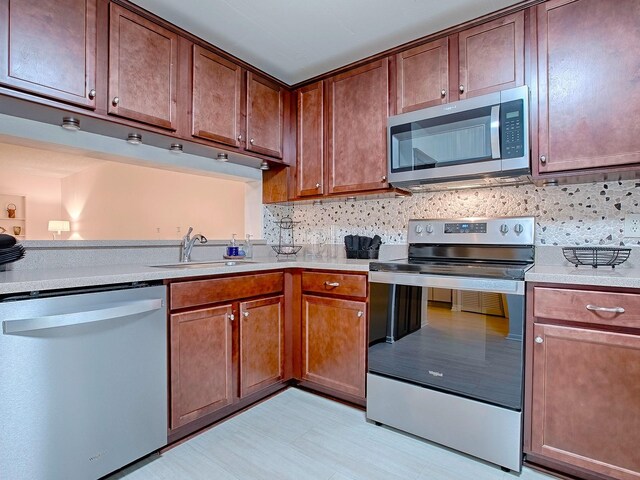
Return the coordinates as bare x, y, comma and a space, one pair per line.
446, 335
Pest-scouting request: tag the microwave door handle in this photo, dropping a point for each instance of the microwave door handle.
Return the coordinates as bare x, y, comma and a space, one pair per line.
495, 131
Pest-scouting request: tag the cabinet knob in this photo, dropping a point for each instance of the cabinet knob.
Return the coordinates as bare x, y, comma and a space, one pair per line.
384, 178
240, 137
115, 101
232, 317
318, 185
360, 313
539, 339
461, 87
92, 93
443, 93
251, 141
245, 314
543, 159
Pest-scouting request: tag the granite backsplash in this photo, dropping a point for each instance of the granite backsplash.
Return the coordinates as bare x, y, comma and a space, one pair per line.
580, 214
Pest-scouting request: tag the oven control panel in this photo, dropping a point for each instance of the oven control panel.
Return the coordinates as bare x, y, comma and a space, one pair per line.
488, 231
465, 227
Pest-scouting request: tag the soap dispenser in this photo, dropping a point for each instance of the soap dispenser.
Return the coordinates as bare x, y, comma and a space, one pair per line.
232, 248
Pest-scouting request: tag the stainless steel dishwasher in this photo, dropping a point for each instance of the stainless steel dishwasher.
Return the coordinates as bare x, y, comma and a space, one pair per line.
83, 381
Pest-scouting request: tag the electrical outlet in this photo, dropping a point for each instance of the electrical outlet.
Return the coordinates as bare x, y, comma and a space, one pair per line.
632, 225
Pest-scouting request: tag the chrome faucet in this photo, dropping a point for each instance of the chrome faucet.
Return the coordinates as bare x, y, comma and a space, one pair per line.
187, 244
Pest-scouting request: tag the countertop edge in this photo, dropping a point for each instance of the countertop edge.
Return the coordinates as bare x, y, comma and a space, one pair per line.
20, 281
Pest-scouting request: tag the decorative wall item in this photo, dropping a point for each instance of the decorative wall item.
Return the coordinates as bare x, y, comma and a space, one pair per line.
581, 214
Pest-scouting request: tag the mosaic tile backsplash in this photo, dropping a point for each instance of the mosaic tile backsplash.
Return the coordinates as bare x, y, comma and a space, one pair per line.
582, 214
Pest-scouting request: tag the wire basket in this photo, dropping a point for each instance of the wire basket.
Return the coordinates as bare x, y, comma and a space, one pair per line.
596, 256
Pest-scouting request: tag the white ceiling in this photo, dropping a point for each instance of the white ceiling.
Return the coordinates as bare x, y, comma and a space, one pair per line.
43, 163
294, 40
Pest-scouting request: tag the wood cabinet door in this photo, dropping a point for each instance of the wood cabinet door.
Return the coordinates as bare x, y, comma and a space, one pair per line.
310, 140
586, 399
48, 47
357, 132
142, 69
491, 56
334, 343
217, 91
265, 116
201, 363
588, 84
423, 76
261, 344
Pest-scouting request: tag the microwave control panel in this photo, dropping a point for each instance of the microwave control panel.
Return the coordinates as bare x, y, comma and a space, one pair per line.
512, 130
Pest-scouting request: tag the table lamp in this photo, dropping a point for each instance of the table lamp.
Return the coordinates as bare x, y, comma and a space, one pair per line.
58, 226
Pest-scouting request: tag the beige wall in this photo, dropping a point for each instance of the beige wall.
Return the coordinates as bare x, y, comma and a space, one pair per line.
43, 195
121, 201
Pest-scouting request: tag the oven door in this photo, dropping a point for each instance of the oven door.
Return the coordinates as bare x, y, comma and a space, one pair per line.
453, 334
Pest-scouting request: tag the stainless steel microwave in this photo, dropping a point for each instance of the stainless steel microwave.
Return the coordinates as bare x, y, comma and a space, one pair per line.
484, 137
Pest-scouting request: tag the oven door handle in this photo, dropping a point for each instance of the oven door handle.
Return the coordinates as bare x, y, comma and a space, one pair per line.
497, 285
495, 131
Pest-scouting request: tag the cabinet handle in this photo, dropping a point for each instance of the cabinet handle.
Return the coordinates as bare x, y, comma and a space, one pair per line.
318, 185
461, 87
595, 308
384, 178
332, 284
115, 101
92, 94
539, 339
360, 313
232, 317
251, 141
240, 137
543, 159
246, 314
443, 93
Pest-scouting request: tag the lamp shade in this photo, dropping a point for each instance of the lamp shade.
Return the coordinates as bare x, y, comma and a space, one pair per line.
58, 226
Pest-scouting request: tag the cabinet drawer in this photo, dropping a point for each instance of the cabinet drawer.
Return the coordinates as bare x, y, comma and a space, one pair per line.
588, 306
203, 292
335, 283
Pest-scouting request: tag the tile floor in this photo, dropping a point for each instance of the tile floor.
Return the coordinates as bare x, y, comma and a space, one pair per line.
297, 435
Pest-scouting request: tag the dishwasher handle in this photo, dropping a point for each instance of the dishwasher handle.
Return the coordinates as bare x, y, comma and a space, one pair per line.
124, 309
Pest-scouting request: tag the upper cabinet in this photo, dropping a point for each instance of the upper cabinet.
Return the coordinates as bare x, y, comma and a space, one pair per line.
491, 56
588, 84
480, 60
422, 76
217, 94
48, 47
310, 141
142, 69
358, 107
265, 116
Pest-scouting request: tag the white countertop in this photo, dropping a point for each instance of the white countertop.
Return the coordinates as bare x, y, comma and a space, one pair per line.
57, 278
625, 275
622, 276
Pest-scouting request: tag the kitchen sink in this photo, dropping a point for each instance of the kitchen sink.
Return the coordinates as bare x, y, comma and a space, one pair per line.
210, 264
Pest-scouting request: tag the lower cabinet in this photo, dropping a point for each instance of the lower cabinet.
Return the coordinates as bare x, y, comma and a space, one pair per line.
261, 344
584, 387
334, 344
201, 363
225, 352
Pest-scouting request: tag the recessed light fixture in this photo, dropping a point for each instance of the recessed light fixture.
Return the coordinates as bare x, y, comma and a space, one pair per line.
222, 157
134, 139
71, 123
351, 199
264, 165
175, 148
317, 202
550, 183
